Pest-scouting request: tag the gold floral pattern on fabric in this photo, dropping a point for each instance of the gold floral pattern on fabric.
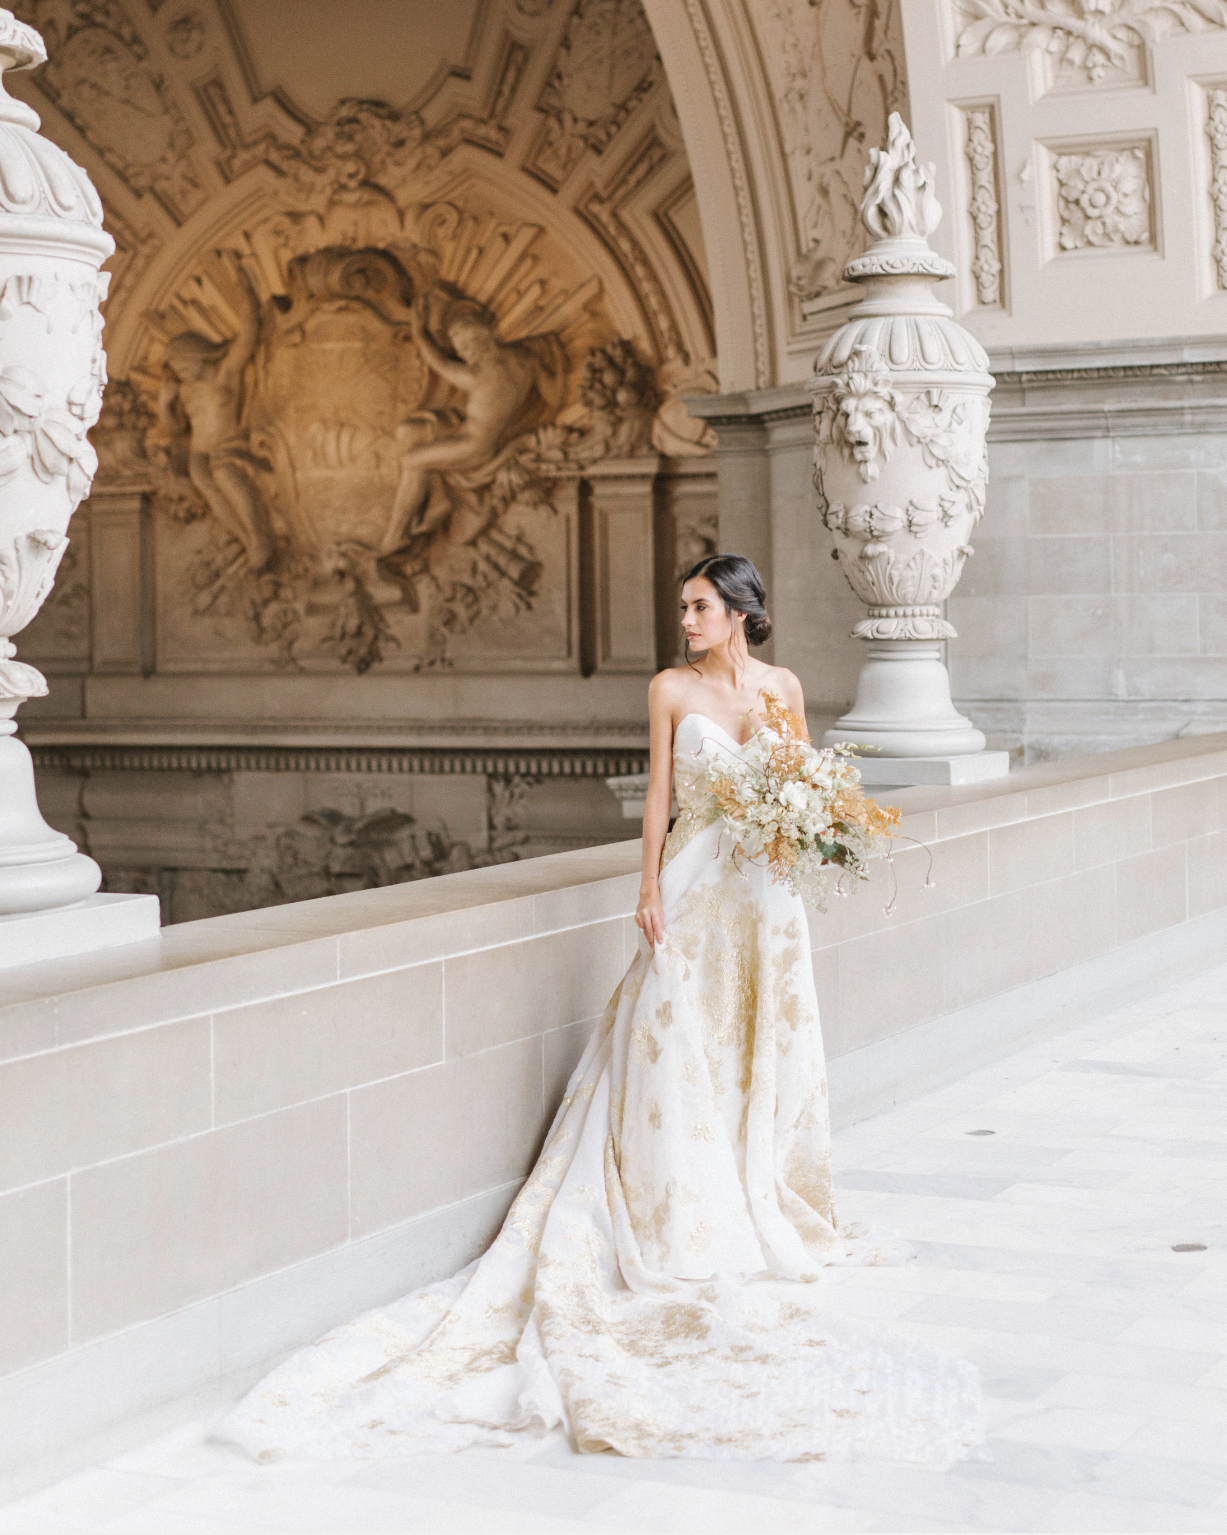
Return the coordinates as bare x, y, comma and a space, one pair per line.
656, 1287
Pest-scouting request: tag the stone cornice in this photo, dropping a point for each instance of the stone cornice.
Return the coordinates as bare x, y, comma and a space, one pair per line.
495, 762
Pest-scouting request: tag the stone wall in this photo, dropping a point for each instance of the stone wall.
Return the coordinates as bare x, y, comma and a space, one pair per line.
216, 1145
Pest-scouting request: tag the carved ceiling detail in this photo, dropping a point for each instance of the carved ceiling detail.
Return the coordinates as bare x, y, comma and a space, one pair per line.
606, 66
100, 75
361, 400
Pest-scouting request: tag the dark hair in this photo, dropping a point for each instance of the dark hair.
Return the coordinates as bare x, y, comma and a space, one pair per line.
741, 590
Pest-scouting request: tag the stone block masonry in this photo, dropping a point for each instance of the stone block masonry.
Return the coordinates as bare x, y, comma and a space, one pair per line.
216, 1144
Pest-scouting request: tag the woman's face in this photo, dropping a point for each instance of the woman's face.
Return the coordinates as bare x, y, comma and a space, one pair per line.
706, 621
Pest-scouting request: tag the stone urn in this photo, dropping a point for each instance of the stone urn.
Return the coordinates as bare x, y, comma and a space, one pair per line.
52, 371
900, 396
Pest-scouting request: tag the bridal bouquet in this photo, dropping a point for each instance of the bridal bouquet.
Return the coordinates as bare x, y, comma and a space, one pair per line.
801, 808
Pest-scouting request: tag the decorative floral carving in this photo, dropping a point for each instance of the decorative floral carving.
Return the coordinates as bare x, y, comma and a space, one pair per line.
620, 396
1090, 38
1216, 128
51, 441
985, 211
607, 63
1103, 198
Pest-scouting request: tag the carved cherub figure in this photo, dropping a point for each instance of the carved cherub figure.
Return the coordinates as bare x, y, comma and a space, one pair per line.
499, 379
202, 398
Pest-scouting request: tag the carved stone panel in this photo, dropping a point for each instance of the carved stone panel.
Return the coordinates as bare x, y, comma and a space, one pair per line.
839, 71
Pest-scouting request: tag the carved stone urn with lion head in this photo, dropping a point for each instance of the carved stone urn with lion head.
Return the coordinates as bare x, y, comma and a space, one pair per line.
900, 397
52, 371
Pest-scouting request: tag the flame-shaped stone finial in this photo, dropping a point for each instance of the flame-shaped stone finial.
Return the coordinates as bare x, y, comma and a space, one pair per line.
899, 200
900, 210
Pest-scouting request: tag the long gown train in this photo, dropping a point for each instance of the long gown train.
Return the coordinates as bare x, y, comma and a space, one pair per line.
656, 1287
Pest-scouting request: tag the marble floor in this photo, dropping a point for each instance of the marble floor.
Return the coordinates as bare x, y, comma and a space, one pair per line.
1069, 1209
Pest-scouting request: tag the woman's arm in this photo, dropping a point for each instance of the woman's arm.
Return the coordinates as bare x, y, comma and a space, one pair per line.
650, 915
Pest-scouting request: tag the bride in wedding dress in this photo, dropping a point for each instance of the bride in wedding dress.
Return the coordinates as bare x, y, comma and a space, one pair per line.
656, 1288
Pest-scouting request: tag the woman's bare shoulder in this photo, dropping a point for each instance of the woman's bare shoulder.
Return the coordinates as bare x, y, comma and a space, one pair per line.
670, 683
784, 682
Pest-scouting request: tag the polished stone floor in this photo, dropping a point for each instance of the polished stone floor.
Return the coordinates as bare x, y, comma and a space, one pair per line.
1069, 1207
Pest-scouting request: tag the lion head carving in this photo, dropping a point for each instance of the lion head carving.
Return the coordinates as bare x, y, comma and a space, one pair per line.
862, 412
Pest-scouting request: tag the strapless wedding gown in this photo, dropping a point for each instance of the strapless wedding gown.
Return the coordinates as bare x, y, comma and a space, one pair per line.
657, 1285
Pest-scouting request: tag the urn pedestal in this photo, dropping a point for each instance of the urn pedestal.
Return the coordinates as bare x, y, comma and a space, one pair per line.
900, 396
52, 372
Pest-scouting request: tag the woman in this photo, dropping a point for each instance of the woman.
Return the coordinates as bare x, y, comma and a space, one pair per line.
656, 1286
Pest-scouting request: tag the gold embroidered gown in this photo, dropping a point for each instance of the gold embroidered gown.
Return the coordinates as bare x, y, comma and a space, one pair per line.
656, 1287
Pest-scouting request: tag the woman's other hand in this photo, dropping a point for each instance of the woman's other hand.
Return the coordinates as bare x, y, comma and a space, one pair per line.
650, 915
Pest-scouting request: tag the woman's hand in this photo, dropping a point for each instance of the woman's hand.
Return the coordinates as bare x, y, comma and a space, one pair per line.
650, 915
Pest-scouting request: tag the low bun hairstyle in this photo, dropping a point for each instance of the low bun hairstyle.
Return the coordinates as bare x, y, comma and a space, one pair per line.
741, 590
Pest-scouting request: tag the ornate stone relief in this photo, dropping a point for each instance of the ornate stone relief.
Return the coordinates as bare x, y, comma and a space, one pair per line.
606, 66
363, 403
377, 426
1085, 42
1216, 129
839, 71
984, 209
1103, 199
100, 77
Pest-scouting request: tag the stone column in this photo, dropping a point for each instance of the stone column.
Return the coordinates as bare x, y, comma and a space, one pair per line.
900, 398
52, 372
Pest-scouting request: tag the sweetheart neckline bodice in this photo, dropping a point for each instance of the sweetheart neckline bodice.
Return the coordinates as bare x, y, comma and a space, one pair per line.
695, 714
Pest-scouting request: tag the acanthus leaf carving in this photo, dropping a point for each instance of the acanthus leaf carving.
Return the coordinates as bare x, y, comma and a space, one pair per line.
27, 573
